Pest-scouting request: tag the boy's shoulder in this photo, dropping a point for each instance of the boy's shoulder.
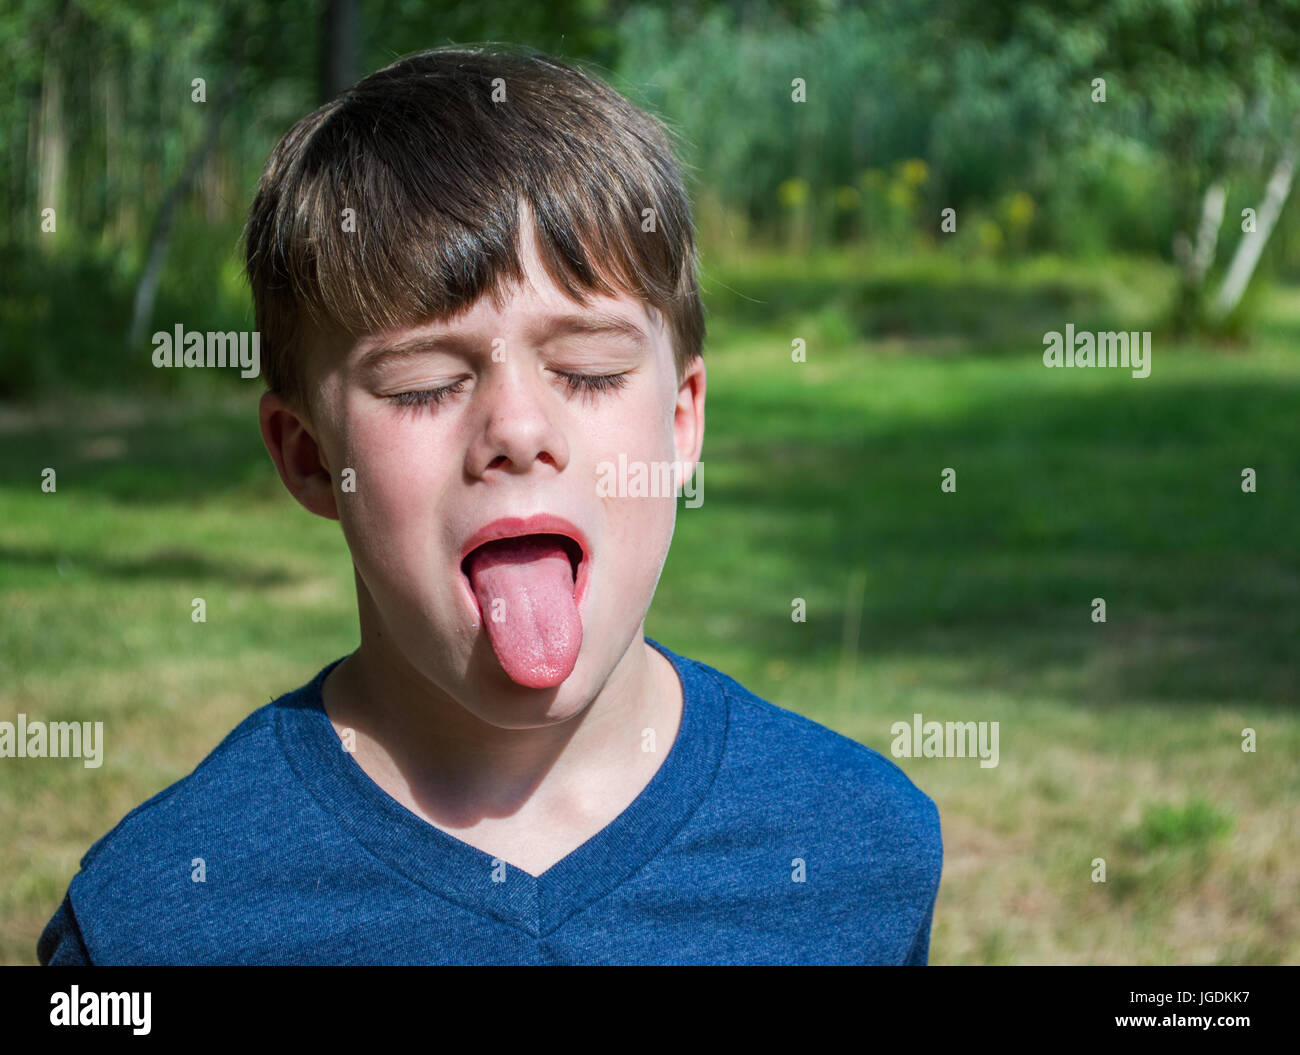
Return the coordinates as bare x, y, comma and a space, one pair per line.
206, 830
168, 817
843, 818
784, 757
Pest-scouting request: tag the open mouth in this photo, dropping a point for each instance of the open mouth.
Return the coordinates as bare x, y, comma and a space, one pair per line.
528, 588
523, 545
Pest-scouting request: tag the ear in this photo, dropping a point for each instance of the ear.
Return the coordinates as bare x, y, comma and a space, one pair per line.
688, 417
298, 458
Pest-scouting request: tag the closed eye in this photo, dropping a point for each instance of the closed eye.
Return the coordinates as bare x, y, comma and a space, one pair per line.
594, 382
424, 397
575, 382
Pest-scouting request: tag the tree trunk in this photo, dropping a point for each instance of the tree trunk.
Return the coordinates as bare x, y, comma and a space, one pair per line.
338, 47
52, 145
1251, 246
146, 289
1207, 235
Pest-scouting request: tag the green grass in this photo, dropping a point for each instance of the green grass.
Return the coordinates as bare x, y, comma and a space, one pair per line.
1119, 740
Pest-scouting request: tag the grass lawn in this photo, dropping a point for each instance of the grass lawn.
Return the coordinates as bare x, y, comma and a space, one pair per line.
1119, 740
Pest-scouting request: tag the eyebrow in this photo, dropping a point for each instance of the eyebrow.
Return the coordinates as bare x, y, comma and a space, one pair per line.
597, 324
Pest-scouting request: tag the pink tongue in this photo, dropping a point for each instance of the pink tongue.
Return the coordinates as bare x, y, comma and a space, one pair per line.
524, 588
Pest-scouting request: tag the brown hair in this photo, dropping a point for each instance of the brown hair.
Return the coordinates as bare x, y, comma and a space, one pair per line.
436, 171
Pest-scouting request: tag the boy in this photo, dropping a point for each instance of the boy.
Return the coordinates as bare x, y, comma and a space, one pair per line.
475, 281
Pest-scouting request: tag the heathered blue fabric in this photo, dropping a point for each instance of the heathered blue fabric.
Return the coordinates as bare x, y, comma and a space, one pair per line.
308, 861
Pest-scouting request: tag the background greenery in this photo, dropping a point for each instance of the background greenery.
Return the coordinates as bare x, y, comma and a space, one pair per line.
817, 220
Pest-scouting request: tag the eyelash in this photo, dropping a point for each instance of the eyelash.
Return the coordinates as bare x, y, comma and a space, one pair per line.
576, 382
426, 396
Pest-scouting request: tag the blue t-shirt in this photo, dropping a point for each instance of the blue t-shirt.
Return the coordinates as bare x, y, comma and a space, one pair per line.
764, 838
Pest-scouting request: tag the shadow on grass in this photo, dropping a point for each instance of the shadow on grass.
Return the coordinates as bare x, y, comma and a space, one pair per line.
165, 452
173, 562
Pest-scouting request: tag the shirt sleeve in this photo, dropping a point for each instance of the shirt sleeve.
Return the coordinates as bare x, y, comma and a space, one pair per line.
919, 954
60, 943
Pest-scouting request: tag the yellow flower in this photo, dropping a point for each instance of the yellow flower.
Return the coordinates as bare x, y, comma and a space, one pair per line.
793, 193
901, 196
1019, 210
915, 172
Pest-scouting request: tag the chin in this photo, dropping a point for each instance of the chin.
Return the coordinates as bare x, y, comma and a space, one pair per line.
502, 702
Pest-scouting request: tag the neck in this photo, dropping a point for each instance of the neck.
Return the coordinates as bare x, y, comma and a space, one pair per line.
445, 763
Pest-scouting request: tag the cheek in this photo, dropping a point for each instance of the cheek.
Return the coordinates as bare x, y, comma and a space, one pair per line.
641, 427
638, 532
387, 520
640, 515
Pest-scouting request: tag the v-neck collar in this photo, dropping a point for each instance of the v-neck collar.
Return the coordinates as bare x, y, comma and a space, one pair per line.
463, 873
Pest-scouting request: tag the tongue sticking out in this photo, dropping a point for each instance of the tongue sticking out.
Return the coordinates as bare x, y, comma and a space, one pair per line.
524, 588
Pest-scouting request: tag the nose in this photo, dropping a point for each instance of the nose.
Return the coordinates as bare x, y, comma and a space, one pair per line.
517, 425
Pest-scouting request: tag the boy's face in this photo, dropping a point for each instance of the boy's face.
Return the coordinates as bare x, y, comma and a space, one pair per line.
508, 437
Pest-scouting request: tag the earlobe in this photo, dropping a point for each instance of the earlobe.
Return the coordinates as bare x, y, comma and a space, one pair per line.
299, 460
